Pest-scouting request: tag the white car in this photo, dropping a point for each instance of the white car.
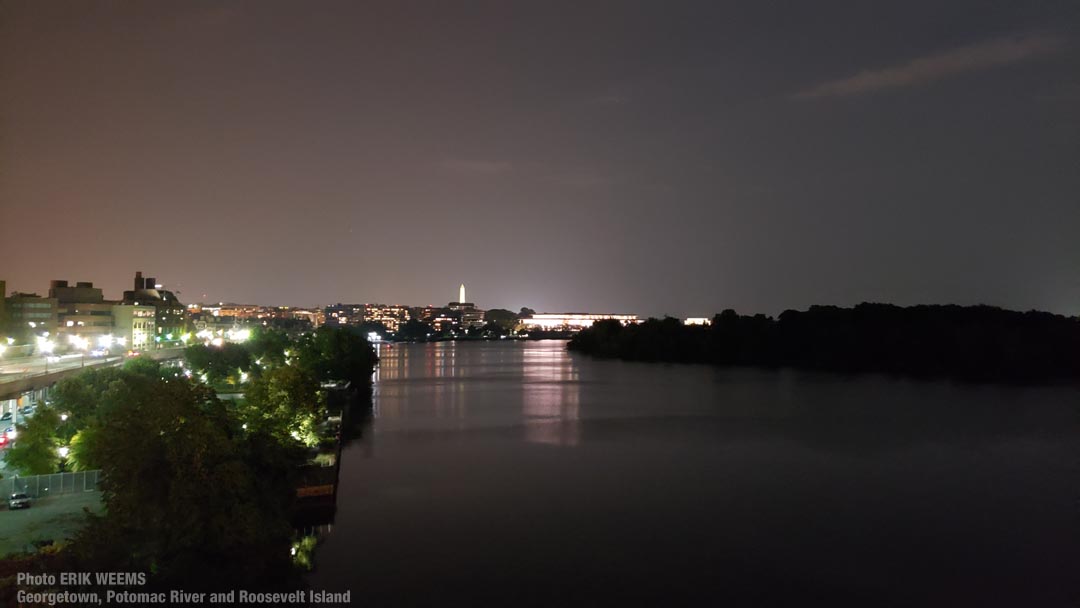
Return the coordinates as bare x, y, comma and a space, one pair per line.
19, 501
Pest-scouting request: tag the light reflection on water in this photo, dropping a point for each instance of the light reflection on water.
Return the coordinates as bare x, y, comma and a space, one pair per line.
532, 385
551, 397
519, 474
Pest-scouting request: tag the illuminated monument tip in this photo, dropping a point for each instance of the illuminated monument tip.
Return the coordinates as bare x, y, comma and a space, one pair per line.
461, 293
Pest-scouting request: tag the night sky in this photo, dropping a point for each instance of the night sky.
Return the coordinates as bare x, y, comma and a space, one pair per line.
653, 158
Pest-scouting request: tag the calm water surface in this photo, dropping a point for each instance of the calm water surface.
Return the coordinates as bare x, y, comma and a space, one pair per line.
519, 474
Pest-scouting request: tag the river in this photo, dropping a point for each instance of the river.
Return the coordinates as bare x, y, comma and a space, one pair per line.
517, 474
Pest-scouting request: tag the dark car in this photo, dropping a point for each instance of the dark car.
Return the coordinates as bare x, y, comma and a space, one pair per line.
19, 501
6, 416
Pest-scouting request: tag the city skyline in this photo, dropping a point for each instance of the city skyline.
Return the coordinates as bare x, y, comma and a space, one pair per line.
10, 291
677, 159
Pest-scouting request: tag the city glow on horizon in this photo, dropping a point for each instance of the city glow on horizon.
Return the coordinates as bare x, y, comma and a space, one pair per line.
573, 320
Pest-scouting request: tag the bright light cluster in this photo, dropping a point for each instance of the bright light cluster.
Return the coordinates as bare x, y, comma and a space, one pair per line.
573, 320
217, 338
79, 342
45, 345
238, 335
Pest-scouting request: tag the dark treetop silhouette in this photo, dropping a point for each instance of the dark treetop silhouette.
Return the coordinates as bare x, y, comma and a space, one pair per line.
973, 343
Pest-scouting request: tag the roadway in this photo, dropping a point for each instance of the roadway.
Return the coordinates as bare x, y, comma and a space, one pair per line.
25, 367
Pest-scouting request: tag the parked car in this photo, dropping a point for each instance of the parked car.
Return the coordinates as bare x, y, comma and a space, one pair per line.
19, 501
5, 417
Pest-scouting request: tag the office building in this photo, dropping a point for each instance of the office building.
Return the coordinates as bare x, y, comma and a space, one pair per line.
31, 314
571, 321
392, 317
134, 325
170, 317
467, 313
345, 314
82, 311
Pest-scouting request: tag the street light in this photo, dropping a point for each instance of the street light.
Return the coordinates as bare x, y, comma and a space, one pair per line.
81, 344
45, 345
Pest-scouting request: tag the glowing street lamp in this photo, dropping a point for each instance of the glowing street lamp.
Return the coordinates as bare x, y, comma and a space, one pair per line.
79, 342
45, 345
63, 451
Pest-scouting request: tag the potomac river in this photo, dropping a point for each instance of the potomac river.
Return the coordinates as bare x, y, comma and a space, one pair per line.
517, 474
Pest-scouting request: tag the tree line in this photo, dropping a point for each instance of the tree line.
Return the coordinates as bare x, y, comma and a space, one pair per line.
982, 343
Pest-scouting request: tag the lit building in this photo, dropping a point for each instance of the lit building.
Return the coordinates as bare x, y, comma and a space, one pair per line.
82, 311
134, 325
468, 314
697, 321
31, 312
571, 321
345, 314
170, 318
390, 316
245, 313
315, 316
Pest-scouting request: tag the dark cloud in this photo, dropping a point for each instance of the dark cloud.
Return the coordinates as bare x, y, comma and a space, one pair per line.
922, 70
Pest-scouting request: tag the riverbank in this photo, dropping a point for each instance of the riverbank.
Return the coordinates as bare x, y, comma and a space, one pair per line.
976, 343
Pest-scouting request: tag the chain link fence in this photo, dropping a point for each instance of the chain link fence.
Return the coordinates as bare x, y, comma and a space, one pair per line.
42, 486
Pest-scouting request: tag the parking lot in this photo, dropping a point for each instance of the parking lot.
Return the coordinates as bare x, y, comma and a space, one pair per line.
55, 518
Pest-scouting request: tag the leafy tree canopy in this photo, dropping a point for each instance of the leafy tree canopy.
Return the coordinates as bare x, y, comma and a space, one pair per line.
35, 452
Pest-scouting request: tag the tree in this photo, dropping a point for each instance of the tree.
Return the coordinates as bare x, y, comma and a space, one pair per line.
490, 330
501, 317
413, 329
218, 363
376, 327
35, 451
268, 346
83, 449
143, 365
285, 403
186, 498
79, 397
333, 354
